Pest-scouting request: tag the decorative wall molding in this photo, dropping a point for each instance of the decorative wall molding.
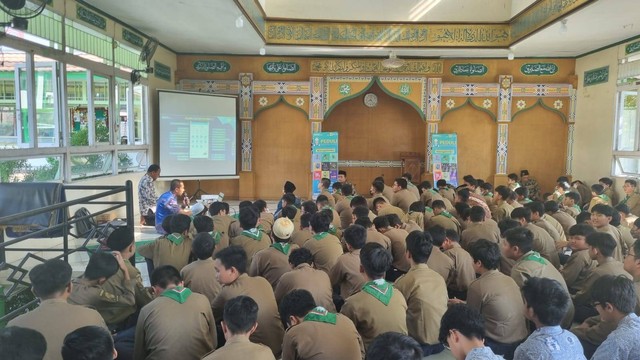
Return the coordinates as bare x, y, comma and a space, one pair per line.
374, 66
540, 90
434, 89
504, 99
246, 96
317, 99
247, 145
503, 144
210, 86
432, 128
370, 163
281, 87
469, 89
570, 142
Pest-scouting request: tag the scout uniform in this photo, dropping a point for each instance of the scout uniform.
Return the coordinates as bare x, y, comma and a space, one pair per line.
240, 348
114, 307
299, 237
599, 199
410, 226
502, 211
497, 297
428, 195
200, 277
607, 267
266, 222
172, 249
222, 223
330, 198
546, 226
574, 210
346, 275
343, 207
441, 263
446, 220
272, 262
372, 198
428, 214
413, 189
633, 202
388, 193
417, 217
532, 264
479, 230
565, 220
543, 243
54, 319
627, 238
323, 335
403, 199
178, 324
448, 193
463, 271
620, 249
390, 209
576, 270
398, 238
252, 241
325, 249
426, 296
306, 277
375, 236
376, 309
534, 189
142, 294
335, 222
613, 197
270, 330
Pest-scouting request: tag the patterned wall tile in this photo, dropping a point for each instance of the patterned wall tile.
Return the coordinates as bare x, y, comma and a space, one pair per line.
503, 141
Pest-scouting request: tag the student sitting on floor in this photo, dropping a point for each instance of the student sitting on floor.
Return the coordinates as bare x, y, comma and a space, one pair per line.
462, 330
173, 249
200, 276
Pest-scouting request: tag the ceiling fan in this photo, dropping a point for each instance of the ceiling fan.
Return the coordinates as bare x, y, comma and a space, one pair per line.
392, 62
21, 11
146, 54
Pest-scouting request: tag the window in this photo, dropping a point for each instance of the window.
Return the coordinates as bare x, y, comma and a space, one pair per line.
627, 134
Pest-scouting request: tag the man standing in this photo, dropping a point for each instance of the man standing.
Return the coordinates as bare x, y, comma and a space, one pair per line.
147, 196
168, 204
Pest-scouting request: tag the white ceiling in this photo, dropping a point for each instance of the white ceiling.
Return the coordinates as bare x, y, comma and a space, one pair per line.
208, 26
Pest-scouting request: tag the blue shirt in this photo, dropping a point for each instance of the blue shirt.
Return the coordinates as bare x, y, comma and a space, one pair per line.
550, 342
482, 353
623, 343
167, 205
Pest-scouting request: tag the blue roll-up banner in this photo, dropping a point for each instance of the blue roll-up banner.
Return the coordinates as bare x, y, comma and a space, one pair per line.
444, 150
324, 158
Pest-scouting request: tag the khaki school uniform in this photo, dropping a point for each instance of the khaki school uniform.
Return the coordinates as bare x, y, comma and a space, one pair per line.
428, 214
375, 196
502, 211
442, 264
343, 207
299, 237
371, 317
627, 238
115, 307
271, 263
574, 210
314, 338
306, 277
269, 331
617, 236
240, 348
544, 244
325, 249
546, 226
416, 217
168, 329
142, 294
609, 266
337, 197
413, 190
497, 297
222, 224
390, 209
388, 193
612, 195
410, 226
565, 220
448, 194
375, 236
330, 198
251, 245
55, 319
633, 202
577, 269
479, 230
403, 199
429, 195
531, 265
346, 275
448, 222
166, 252
398, 238
426, 295
266, 222
463, 271
200, 277
556, 225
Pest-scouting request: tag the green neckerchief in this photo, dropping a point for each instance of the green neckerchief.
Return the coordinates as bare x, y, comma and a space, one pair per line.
624, 201
349, 197
178, 293
434, 192
236, 216
216, 236
428, 209
282, 247
327, 207
379, 289
252, 233
446, 214
321, 235
332, 230
534, 256
175, 238
260, 227
489, 194
526, 200
320, 314
577, 208
605, 198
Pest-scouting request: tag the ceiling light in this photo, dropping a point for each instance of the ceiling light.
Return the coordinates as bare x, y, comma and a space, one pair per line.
392, 62
511, 55
563, 26
239, 22
263, 51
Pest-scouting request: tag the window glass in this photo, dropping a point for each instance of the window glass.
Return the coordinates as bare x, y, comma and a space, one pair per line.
91, 165
132, 161
102, 117
627, 121
139, 111
122, 98
77, 105
46, 95
32, 169
11, 120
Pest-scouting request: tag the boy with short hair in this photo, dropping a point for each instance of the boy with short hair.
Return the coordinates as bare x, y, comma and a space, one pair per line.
397, 238
272, 262
512, 181
571, 204
501, 208
462, 330
173, 249
522, 194
251, 239
601, 217
265, 220
443, 218
324, 247
607, 184
579, 265
463, 272
89, 343
598, 196
372, 234
615, 299
379, 307
546, 304
313, 332
200, 276
231, 265
303, 233
632, 198
345, 274
543, 243
223, 223
239, 322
